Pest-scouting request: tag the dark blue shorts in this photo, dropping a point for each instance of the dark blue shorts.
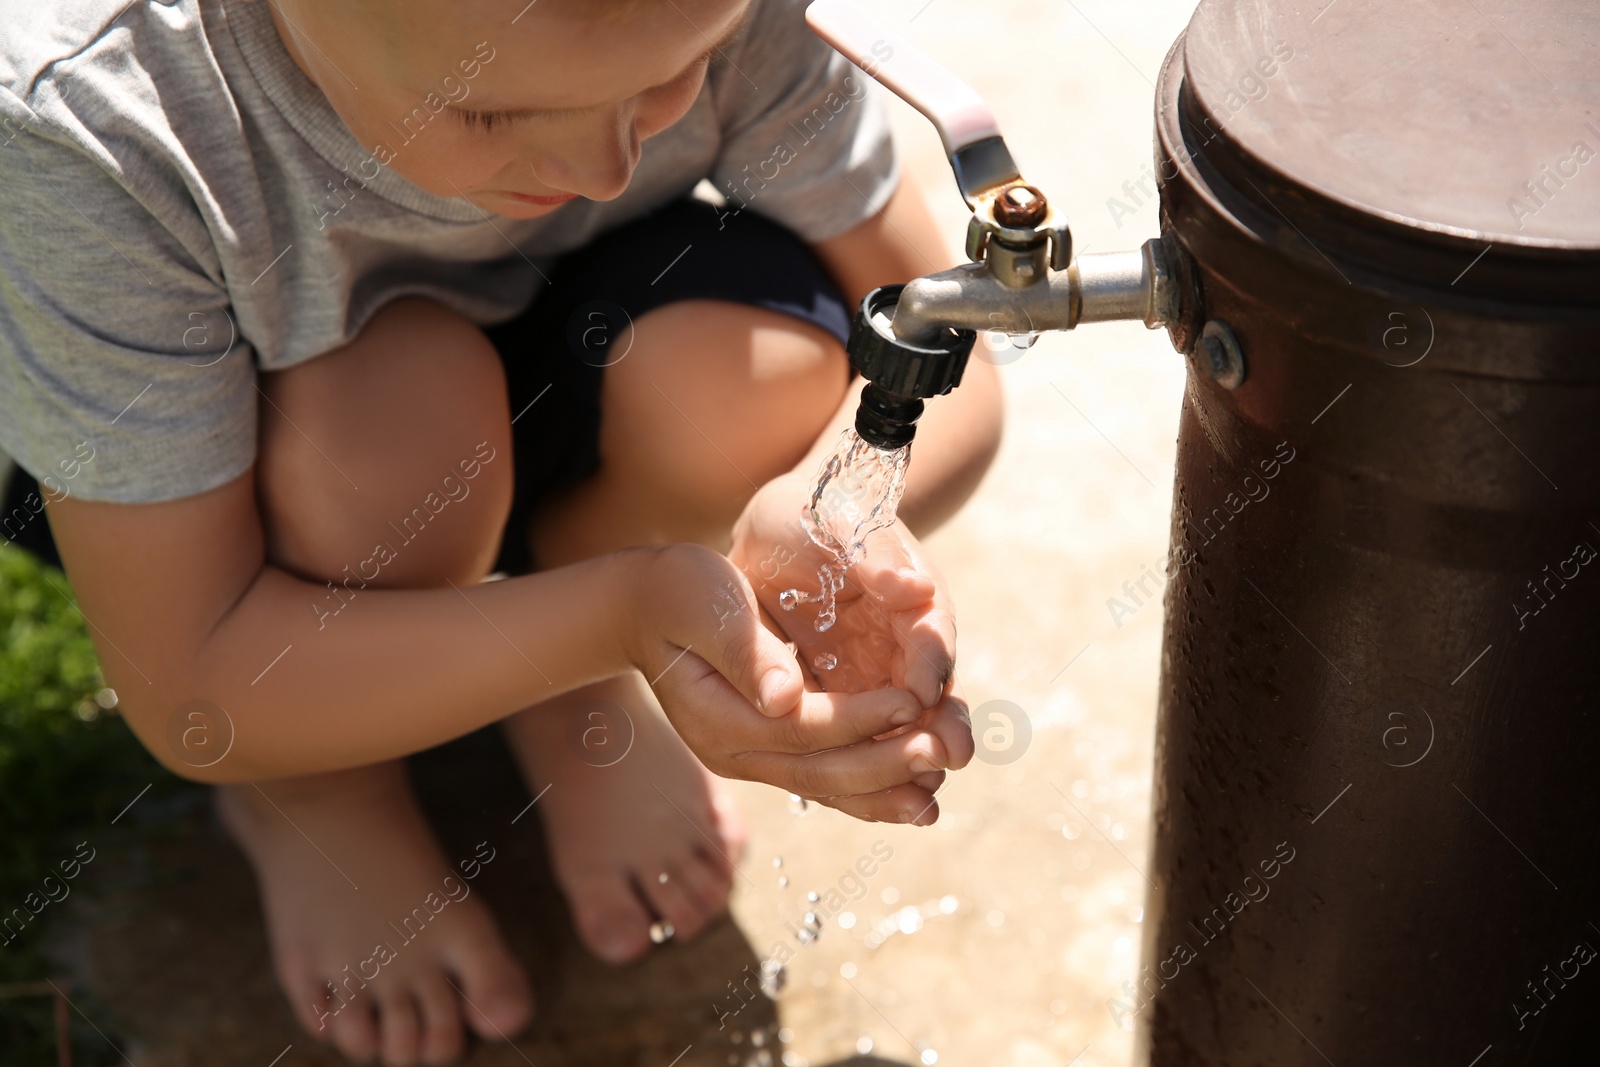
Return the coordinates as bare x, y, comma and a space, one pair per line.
556, 351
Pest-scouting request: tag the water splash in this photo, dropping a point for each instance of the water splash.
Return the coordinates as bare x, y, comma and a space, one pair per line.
825, 661
810, 928
774, 977
857, 491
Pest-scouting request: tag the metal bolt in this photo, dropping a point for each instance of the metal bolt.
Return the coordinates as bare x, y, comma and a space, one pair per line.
1020, 206
1218, 357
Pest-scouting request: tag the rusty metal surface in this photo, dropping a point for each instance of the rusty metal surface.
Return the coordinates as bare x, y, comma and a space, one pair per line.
1375, 796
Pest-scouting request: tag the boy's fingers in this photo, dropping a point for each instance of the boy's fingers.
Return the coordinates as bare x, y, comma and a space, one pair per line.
717, 723
903, 804
951, 722
894, 574
868, 767
929, 639
754, 660
834, 720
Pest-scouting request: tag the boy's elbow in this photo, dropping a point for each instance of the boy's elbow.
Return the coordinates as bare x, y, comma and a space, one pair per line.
196, 739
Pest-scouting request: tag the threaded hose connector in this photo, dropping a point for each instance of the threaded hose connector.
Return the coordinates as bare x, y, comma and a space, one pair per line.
900, 375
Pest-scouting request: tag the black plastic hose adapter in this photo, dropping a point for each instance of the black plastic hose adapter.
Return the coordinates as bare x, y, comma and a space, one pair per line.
899, 375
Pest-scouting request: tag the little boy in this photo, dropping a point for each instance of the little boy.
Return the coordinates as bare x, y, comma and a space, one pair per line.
316, 313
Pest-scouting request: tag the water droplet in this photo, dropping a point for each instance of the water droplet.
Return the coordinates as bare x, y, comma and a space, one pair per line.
786, 1035
798, 804
777, 861
789, 599
661, 931
847, 970
812, 897
928, 1055
783, 881
1023, 341
758, 1038
948, 905
827, 661
863, 1045
773, 978
997, 917
846, 920
662, 878
890, 895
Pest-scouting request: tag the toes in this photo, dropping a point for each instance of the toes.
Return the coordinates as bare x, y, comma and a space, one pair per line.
355, 1031
442, 1040
499, 1003
308, 997
399, 1028
609, 918
709, 882
675, 901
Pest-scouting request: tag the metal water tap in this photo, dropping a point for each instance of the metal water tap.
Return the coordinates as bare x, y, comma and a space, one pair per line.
911, 342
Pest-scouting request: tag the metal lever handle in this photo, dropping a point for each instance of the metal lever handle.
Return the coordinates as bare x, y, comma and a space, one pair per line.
970, 133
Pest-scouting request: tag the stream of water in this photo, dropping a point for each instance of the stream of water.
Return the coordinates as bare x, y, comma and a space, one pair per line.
857, 491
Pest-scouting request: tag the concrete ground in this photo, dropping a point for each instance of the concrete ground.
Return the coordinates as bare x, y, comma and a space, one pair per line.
998, 936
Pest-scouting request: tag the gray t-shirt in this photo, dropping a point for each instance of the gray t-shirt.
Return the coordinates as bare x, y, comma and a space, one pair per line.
181, 209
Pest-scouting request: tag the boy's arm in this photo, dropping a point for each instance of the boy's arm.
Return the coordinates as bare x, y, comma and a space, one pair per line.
184, 608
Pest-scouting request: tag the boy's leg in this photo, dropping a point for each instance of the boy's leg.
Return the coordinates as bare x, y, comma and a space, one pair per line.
350, 442
712, 400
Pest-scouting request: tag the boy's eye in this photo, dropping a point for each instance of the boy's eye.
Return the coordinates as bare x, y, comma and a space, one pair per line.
483, 120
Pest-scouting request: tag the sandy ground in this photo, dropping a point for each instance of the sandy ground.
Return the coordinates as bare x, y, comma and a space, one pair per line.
1000, 935
1041, 857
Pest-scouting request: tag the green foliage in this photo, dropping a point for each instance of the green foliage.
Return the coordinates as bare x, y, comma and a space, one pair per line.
67, 767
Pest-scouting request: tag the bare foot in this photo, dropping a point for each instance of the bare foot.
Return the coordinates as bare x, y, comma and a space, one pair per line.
358, 894
637, 833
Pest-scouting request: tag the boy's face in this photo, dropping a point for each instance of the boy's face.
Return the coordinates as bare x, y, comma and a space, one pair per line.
516, 106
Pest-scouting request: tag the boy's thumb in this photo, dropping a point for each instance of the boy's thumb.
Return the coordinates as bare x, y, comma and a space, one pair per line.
757, 663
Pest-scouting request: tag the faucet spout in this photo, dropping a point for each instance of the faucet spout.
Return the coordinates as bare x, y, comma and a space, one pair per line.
1098, 287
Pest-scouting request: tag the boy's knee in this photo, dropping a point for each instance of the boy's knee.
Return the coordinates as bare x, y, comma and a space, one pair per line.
721, 396
399, 439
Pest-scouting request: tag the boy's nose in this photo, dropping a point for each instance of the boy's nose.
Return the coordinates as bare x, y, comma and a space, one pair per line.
597, 166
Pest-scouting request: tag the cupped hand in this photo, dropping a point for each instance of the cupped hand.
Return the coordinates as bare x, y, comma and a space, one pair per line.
735, 694
894, 627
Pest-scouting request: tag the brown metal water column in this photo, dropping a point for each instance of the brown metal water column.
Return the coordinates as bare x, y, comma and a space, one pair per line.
1377, 802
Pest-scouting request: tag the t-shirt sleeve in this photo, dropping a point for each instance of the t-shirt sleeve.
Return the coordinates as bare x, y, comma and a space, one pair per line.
122, 377
806, 137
